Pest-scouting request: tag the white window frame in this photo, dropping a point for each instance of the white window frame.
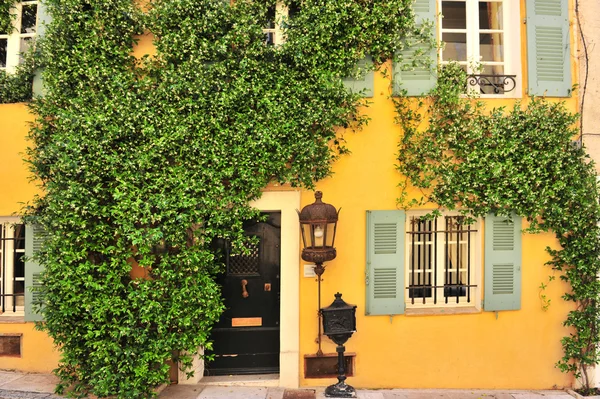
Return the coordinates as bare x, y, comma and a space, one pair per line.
476, 266
6, 255
13, 45
511, 23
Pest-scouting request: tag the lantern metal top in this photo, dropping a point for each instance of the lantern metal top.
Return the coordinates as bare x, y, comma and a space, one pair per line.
318, 211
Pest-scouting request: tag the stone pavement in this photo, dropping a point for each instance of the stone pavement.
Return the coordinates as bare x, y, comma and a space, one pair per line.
16, 385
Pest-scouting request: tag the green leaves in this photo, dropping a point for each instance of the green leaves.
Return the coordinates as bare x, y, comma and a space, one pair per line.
148, 163
520, 160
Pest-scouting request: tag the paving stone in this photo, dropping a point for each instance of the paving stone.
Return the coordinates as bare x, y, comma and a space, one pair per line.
366, 394
5, 394
542, 395
32, 383
9, 376
181, 392
215, 392
299, 394
275, 393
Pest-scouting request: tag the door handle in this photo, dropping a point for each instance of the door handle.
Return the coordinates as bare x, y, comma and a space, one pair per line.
244, 291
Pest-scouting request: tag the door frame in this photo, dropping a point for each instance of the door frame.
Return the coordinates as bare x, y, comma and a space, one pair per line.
287, 202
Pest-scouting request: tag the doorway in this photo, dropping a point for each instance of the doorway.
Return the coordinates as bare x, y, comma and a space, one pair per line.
246, 339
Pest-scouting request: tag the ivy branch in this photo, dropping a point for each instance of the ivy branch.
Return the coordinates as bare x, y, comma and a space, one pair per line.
151, 162
504, 161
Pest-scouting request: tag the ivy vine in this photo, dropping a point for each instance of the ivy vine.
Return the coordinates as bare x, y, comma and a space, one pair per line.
150, 162
520, 160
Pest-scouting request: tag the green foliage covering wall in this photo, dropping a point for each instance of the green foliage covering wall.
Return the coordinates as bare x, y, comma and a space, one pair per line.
520, 160
150, 161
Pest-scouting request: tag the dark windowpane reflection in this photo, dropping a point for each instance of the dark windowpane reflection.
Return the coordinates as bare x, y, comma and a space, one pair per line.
19, 236
19, 265
28, 18
455, 46
3, 44
294, 9
491, 47
270, 18
455, 15
490, 15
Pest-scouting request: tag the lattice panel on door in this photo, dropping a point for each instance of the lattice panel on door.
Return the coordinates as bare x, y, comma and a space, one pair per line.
245, 264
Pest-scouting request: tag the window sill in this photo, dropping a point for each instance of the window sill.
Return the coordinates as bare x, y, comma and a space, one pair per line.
10, 318
441, 311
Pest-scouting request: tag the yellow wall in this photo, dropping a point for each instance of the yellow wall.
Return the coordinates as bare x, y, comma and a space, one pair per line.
511, 349
38, 353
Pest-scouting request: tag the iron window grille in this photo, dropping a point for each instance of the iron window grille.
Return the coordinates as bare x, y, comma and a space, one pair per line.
441, 261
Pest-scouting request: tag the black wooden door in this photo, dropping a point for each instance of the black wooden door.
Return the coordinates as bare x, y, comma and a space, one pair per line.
246, 338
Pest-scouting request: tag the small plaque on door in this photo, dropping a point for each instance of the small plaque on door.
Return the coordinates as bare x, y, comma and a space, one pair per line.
246, 322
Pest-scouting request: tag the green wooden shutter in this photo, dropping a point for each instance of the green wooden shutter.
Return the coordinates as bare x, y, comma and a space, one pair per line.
502, 263
364, 81
385, 262
34, 236
548, 48
43, 18
417, 80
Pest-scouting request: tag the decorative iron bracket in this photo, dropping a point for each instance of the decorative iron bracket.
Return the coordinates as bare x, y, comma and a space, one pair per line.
499, 83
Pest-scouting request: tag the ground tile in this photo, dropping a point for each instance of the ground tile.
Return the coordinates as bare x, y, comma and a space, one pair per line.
542, 395
215, 392
33, 383
180, 392
365, 394
8, 376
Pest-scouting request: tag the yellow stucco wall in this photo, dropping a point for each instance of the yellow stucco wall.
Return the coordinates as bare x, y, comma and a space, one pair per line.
510, 349
513, 349
37, 350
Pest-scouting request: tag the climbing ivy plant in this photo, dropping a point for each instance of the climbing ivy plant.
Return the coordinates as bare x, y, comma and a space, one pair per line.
148, 163
513, 161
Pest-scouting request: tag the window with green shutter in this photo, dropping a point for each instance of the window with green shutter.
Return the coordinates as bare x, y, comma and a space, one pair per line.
385, 262
12, 268
417, 79
34, 237
419, 262
548, 48
502, 263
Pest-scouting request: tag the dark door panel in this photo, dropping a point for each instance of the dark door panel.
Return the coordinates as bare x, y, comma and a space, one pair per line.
246, 338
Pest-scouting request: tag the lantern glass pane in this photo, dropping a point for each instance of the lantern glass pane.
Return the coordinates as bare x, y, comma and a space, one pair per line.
305, 230
330, 234
319, 231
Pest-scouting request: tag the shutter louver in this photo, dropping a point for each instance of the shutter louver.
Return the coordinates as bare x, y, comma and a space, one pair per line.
34, 238
364, 81
385, 262
417, 80
548, 48
502, 263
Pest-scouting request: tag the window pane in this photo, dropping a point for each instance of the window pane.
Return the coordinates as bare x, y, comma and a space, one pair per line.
491, 47
455, 15
3, 44
19, 265
490, 15
28, 18
270, 18
19, 288
455, 47
293, 9
19, 236
421, 259
24, 46
270, 38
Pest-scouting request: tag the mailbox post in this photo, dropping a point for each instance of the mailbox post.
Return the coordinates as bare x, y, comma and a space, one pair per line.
339, 323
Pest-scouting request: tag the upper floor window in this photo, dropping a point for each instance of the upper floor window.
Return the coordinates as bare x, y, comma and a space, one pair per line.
17, 41
483, 37
276, 15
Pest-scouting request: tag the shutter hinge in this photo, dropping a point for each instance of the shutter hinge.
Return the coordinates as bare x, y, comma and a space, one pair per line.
367, 280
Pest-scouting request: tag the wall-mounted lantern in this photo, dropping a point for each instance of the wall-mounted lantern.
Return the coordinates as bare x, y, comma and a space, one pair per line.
339, 323
318, 224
